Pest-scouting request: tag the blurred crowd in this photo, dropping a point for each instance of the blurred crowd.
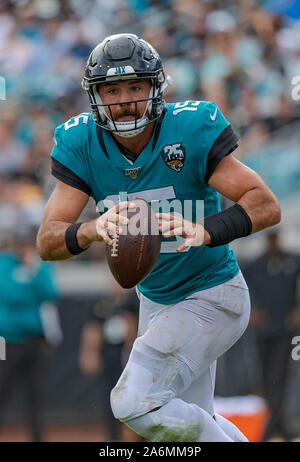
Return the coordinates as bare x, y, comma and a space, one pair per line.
240, 54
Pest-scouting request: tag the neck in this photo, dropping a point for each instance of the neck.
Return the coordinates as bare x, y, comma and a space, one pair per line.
137, 143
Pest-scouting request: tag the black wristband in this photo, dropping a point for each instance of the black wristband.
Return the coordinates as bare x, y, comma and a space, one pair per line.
228, 225
71, 239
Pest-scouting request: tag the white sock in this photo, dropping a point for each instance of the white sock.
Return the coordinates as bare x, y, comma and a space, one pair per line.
230, 429
178, 421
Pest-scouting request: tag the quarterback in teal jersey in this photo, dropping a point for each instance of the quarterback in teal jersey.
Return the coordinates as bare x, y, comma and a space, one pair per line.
194, 305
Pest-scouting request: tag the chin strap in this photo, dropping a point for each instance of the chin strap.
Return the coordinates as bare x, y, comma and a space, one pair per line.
131, 133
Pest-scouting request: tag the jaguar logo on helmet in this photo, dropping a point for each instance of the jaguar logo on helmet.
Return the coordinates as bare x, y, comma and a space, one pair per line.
119, 57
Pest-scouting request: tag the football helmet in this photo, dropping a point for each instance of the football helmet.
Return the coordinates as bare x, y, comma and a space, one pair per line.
120, 57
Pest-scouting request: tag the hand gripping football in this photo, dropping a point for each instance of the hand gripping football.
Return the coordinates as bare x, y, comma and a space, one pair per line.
133, 253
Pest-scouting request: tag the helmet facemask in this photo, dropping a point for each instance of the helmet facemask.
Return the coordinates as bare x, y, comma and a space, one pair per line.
103, 116
126, 129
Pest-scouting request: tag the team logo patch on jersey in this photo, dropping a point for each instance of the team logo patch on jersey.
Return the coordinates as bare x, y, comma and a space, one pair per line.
173, 156
132, 172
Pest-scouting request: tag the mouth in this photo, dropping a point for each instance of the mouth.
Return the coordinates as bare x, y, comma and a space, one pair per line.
125, 118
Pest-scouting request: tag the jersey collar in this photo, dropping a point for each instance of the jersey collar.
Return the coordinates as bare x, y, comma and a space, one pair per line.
106, 139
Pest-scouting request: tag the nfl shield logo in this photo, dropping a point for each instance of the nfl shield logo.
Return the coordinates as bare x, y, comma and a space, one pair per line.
173, 156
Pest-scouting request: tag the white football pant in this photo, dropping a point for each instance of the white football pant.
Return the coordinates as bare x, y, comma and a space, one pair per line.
166, 390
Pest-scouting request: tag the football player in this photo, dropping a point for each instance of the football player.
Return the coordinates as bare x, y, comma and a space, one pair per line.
194, 305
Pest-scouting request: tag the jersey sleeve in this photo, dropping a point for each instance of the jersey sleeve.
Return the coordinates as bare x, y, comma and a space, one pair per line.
224, 145
220, 139
66, 175
68, 157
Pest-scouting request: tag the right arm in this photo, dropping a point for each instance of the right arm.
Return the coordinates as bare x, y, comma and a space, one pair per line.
63, 208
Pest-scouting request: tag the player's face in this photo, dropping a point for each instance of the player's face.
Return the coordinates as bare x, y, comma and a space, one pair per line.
120, 92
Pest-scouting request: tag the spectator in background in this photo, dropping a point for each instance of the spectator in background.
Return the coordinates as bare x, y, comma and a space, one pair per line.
273, 279
243, 57
12, 151
26, 318
106, 342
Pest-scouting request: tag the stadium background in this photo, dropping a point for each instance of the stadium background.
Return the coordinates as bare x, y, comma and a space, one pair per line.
244, 55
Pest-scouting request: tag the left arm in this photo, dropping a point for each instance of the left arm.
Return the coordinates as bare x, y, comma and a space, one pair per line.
239, 183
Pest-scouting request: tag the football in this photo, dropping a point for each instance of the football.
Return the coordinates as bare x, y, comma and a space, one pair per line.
133, 253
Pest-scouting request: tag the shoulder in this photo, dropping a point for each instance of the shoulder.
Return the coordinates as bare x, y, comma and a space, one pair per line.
74, 132
72, 148
195, 114
190, 108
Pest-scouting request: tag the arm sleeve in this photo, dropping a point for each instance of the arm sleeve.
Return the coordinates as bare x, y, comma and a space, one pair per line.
66, 175
224, 145
217, 139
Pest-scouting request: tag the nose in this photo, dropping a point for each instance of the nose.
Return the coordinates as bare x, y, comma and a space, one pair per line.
125, 97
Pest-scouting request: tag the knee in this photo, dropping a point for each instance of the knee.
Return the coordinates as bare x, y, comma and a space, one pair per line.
123, 403
139, 389
133, 395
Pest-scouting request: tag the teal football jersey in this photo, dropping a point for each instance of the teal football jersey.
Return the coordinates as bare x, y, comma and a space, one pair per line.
186, 145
